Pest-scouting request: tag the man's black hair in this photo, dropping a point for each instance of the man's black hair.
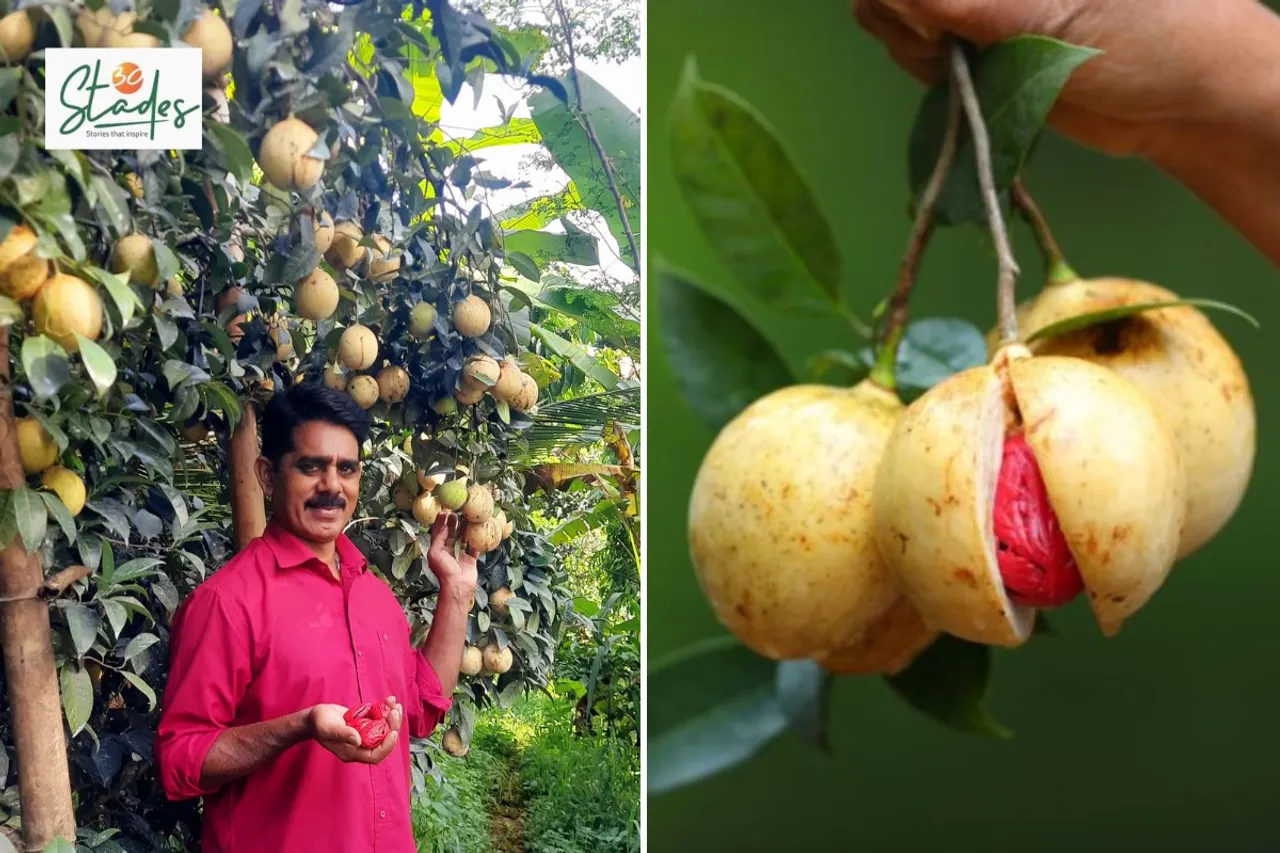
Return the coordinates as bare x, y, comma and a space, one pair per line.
303, 403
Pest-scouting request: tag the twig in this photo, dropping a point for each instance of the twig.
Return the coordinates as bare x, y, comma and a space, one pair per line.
1057, 270
595, 140
884, 372
54, 586
1008, 268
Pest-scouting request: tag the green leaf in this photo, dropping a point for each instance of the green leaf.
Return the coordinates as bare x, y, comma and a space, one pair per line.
1017, 82
10, 312
524, 265
10, 150
138, 645
61, 515
804, 694
10, 79
77, 696
618, 130
239, 157
575, 246
59, 845
166, 331
585, 362
84, 623
504, 410
847, 367
30, 515
711, 707
143, 688
753, 204
167, 263
111, 197
722, 364
117, 616
933, 349
1106, 315
948, 682
101, 367
46, 364
118, 286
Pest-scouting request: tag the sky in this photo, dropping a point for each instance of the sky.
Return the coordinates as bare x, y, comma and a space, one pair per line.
463, 118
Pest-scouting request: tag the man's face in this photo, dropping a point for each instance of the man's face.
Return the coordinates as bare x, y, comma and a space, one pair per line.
314, 490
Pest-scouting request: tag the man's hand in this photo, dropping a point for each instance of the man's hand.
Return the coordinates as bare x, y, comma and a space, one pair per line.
459, 574
331, 731
1165, 63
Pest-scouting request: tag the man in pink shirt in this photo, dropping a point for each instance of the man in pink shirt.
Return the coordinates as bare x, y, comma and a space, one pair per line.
268, 654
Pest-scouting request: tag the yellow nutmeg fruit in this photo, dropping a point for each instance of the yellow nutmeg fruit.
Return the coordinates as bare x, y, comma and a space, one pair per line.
17, 244
67, 485
345, 251
210, 33
1016, 485
393, 384
315, 297
67, 306
136, 255
1184, 366
283, 155
358, 347
495, 661
364, 390
789, 561
35, 445
471, 316
23, 278
17, 34
472, 660
453, 743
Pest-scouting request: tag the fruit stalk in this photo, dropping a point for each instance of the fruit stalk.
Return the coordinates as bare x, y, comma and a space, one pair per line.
31, 679
884, 372
1057, 271
1007, 276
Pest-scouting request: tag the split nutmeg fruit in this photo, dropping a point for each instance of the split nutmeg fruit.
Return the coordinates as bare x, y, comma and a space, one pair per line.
781, 534
1015, 485
1184, 366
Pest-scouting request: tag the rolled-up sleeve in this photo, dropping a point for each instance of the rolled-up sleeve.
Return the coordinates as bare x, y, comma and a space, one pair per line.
429, 704
209, 672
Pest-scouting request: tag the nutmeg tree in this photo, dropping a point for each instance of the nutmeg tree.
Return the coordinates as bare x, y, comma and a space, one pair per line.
152, 300
934, 492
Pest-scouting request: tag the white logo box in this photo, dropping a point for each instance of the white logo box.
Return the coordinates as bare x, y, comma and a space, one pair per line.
123, 98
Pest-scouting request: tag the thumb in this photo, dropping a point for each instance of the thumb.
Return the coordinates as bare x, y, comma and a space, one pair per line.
439, 528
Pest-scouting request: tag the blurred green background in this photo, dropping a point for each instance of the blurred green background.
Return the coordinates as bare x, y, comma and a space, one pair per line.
1165, 738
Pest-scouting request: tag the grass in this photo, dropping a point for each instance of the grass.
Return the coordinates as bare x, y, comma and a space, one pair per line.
453, 817
528, 785
581, 795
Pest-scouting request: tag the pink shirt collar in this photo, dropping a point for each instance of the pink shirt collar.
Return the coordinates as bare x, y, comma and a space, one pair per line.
291, 551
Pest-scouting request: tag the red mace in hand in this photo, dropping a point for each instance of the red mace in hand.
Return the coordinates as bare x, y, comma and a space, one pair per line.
370, 720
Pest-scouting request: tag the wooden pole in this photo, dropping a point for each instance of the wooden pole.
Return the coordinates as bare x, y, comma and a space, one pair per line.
248, 507
35, 706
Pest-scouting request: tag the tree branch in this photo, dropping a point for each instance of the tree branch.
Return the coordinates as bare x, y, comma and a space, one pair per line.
583, 119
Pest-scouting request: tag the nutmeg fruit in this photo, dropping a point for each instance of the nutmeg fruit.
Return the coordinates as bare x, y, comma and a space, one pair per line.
781, 526
1185, 367
956, 508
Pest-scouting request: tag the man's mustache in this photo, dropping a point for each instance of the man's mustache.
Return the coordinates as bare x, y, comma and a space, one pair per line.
326, 501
